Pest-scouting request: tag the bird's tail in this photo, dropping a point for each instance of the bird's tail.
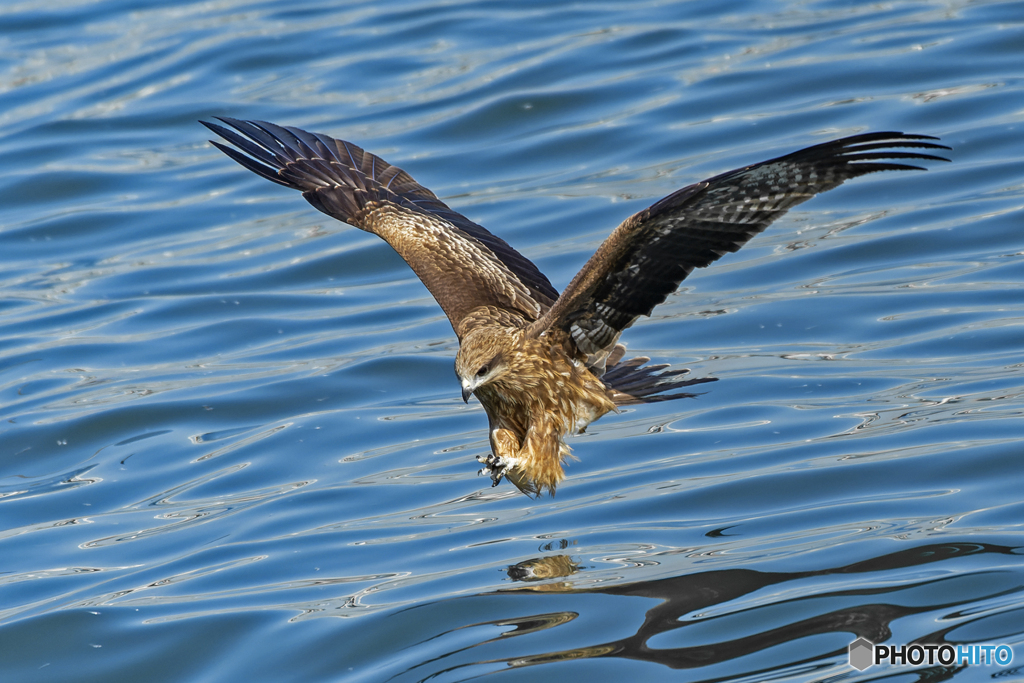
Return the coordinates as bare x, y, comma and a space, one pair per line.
633, 382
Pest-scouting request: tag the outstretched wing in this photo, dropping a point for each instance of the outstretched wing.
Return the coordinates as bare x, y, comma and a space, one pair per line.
463, 265
651, 252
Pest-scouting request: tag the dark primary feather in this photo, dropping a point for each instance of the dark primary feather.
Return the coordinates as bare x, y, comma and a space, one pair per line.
651, 252
348, 183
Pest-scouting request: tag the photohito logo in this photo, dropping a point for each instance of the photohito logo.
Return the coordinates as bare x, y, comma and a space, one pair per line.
864, 653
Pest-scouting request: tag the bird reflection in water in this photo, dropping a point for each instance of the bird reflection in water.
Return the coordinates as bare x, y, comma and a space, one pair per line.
676, 601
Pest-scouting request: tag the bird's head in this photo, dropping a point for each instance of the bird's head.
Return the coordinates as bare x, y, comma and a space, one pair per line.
481, 360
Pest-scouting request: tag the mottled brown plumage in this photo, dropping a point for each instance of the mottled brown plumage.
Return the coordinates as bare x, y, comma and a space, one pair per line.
545, 365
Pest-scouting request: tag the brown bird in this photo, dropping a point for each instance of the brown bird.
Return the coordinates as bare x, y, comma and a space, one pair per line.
544, 365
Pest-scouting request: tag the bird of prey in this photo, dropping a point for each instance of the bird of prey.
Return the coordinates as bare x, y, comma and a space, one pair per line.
544, 364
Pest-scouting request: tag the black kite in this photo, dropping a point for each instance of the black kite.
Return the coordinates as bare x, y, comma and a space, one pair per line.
545, 364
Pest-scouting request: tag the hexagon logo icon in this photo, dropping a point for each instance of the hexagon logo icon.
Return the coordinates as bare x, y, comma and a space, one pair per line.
862, 652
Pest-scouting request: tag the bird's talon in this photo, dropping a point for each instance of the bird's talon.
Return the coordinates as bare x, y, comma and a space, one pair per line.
494, 467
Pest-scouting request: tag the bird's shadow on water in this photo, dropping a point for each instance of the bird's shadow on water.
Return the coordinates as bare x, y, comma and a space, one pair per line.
865, 609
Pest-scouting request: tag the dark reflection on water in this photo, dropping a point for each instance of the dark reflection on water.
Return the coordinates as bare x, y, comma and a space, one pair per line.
681, 601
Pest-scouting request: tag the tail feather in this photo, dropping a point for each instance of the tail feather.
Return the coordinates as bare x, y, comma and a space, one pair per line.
634, 382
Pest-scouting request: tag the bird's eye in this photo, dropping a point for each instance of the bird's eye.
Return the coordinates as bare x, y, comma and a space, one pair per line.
482, 371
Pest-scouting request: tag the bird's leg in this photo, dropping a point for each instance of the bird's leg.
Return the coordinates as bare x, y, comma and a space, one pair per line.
502, 458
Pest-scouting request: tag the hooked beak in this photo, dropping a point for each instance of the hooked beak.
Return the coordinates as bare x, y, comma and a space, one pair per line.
467, 391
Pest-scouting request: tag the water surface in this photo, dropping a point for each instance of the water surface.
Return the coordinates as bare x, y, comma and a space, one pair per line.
233, 447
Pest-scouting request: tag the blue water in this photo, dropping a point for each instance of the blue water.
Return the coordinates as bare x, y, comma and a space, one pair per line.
232, 446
